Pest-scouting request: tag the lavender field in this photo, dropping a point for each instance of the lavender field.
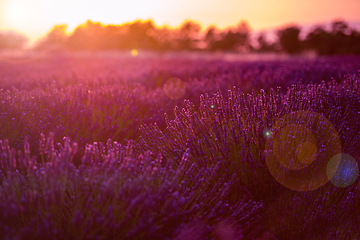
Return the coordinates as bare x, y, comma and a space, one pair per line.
113, 146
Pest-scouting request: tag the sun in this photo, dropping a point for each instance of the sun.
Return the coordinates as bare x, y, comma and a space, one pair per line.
15, 13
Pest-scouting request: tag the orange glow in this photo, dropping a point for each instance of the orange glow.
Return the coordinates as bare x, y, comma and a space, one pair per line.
134, 52
36, 17
298, 154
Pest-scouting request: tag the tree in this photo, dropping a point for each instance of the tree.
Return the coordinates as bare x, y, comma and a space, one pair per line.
55, 38
164, 38
140, 35
236, 39
289, 39
187, 35
12, 40
319, 40
227, 43
243, 31
339, 40
88, 36
264, 45
340, 27
210, 35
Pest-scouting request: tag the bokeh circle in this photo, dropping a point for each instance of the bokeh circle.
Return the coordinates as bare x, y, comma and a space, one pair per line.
174, 88
347, 171
301, 146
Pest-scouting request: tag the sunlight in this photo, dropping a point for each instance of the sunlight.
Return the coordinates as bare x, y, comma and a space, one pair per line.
16, 13
134, 52
36, 17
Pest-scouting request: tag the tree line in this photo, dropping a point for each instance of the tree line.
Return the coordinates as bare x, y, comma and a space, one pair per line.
94, 36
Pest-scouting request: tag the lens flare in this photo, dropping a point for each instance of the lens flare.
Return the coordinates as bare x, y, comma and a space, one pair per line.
174, 88
347, 171
134, 52
302, 144
267, 133
306, 152
295, 147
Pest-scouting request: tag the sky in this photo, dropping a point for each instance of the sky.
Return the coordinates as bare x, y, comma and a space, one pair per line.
34, 18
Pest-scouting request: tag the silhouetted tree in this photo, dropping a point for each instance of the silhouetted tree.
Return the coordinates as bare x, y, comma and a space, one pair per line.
56, 38
140, 35
340, 27
210, 36
243, 31
164, 38
113, 35
95, 36
339, 40
88, 36
12, 40
289, 40
264, 45
188, 35
227, 43
232, 40
319, 40
354, 43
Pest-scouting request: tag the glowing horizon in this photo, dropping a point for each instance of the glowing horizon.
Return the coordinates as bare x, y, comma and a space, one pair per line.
35, 18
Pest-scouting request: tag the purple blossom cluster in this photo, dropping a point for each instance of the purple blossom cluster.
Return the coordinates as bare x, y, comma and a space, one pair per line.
114, 194
236, 133
278, 158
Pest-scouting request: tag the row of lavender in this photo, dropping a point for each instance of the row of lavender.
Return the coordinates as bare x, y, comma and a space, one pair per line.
116, 194
153, 71
194, 171
205, 176
238, 132
93, 97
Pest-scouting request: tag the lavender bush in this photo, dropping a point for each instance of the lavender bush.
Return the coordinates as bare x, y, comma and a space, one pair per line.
113, 194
